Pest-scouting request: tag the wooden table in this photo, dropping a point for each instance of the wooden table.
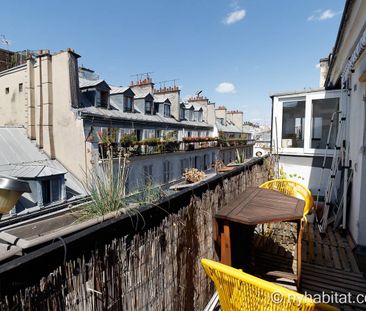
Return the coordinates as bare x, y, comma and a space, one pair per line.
257, 206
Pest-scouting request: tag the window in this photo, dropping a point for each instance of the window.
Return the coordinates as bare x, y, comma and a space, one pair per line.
184, 164
206, 162
20, 87
293, 124
156, 108
51, 190
181, 113
127, 104
166, 171
167, 110
199, 116
101, 99
148, 174
323, 110
6, 90
148, 107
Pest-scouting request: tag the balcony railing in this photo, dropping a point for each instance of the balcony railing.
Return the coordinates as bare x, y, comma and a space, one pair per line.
157, 146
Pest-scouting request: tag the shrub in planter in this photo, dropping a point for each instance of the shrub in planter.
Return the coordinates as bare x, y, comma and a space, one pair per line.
151, 141
128, 140
171, 146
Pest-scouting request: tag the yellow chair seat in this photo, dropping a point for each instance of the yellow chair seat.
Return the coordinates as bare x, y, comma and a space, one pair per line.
238, 290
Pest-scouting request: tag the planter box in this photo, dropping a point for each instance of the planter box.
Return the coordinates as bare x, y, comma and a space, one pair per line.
50, 227
184, 184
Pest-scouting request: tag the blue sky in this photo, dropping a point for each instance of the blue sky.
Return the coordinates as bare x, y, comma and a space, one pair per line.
254, 47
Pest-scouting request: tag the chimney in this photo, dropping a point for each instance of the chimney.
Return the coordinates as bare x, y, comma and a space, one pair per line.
324, 67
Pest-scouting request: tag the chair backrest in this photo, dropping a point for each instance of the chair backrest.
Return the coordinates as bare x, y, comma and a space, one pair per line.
293, 189
238, 290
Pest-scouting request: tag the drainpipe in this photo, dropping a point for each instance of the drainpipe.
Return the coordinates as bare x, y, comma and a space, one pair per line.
39, 135
346, 157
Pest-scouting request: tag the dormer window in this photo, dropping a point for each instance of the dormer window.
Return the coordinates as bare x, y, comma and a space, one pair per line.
101, 99
181, 114
148, 107
166, 110
156, 108
127, 104
200, 116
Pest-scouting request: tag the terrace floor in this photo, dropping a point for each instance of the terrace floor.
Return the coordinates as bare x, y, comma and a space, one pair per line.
331, 269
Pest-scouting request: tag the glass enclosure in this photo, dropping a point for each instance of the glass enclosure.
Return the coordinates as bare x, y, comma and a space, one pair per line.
323, 110
293, 124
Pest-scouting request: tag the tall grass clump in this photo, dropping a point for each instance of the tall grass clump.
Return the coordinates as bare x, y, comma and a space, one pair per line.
106, 184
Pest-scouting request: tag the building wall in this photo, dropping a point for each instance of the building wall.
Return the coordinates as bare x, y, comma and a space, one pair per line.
44, 107
221, 113
174, 96
68, 131
13, 107
136, 178
201, 102
357, 153
236, 117
355, 26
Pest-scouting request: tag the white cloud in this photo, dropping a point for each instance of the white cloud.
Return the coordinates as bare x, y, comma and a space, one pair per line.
225, 87
234, 17
320, 15
317, 65
327, 14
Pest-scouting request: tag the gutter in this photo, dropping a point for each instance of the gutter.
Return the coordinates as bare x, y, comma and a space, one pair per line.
85, 115
344, 19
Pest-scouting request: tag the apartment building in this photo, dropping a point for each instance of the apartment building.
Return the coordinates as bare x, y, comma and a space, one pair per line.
71, 114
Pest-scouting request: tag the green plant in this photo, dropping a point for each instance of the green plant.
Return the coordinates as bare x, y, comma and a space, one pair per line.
153, 141
106, 185
240, 157
128, 140
149, 194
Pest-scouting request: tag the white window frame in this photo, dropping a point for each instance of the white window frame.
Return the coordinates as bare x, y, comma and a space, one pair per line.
278, 114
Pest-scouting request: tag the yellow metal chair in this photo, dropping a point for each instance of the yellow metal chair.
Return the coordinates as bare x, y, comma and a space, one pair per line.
238, 290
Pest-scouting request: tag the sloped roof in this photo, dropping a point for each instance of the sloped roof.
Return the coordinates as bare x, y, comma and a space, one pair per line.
125, 116
118, 89
31, 170
228, 128
160, 98
84, 83
19, 157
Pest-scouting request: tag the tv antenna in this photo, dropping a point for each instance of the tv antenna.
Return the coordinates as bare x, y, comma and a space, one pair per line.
140, 76
5, 41
199, 93
163, 83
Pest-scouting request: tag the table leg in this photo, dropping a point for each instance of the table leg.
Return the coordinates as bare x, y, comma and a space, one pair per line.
300, 230
226, 245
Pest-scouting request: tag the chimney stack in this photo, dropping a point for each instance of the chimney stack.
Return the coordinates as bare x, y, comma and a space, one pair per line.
324, 67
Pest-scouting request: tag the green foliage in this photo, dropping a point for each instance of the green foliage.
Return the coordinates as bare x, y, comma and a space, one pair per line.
106, 185
153, 141
128, 140
240, 157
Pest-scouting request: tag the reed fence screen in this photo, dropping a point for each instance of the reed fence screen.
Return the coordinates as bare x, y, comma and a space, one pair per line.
154, 270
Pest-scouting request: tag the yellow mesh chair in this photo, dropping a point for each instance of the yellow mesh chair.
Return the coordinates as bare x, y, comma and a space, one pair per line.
238, 290
293, 189
299, 191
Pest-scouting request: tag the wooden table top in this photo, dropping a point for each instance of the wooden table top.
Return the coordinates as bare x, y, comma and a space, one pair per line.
258, 206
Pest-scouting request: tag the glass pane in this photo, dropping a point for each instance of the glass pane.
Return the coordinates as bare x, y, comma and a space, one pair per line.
293, 124
322, 114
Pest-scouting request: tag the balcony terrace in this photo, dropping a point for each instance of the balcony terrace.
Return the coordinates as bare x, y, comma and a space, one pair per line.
151, 260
